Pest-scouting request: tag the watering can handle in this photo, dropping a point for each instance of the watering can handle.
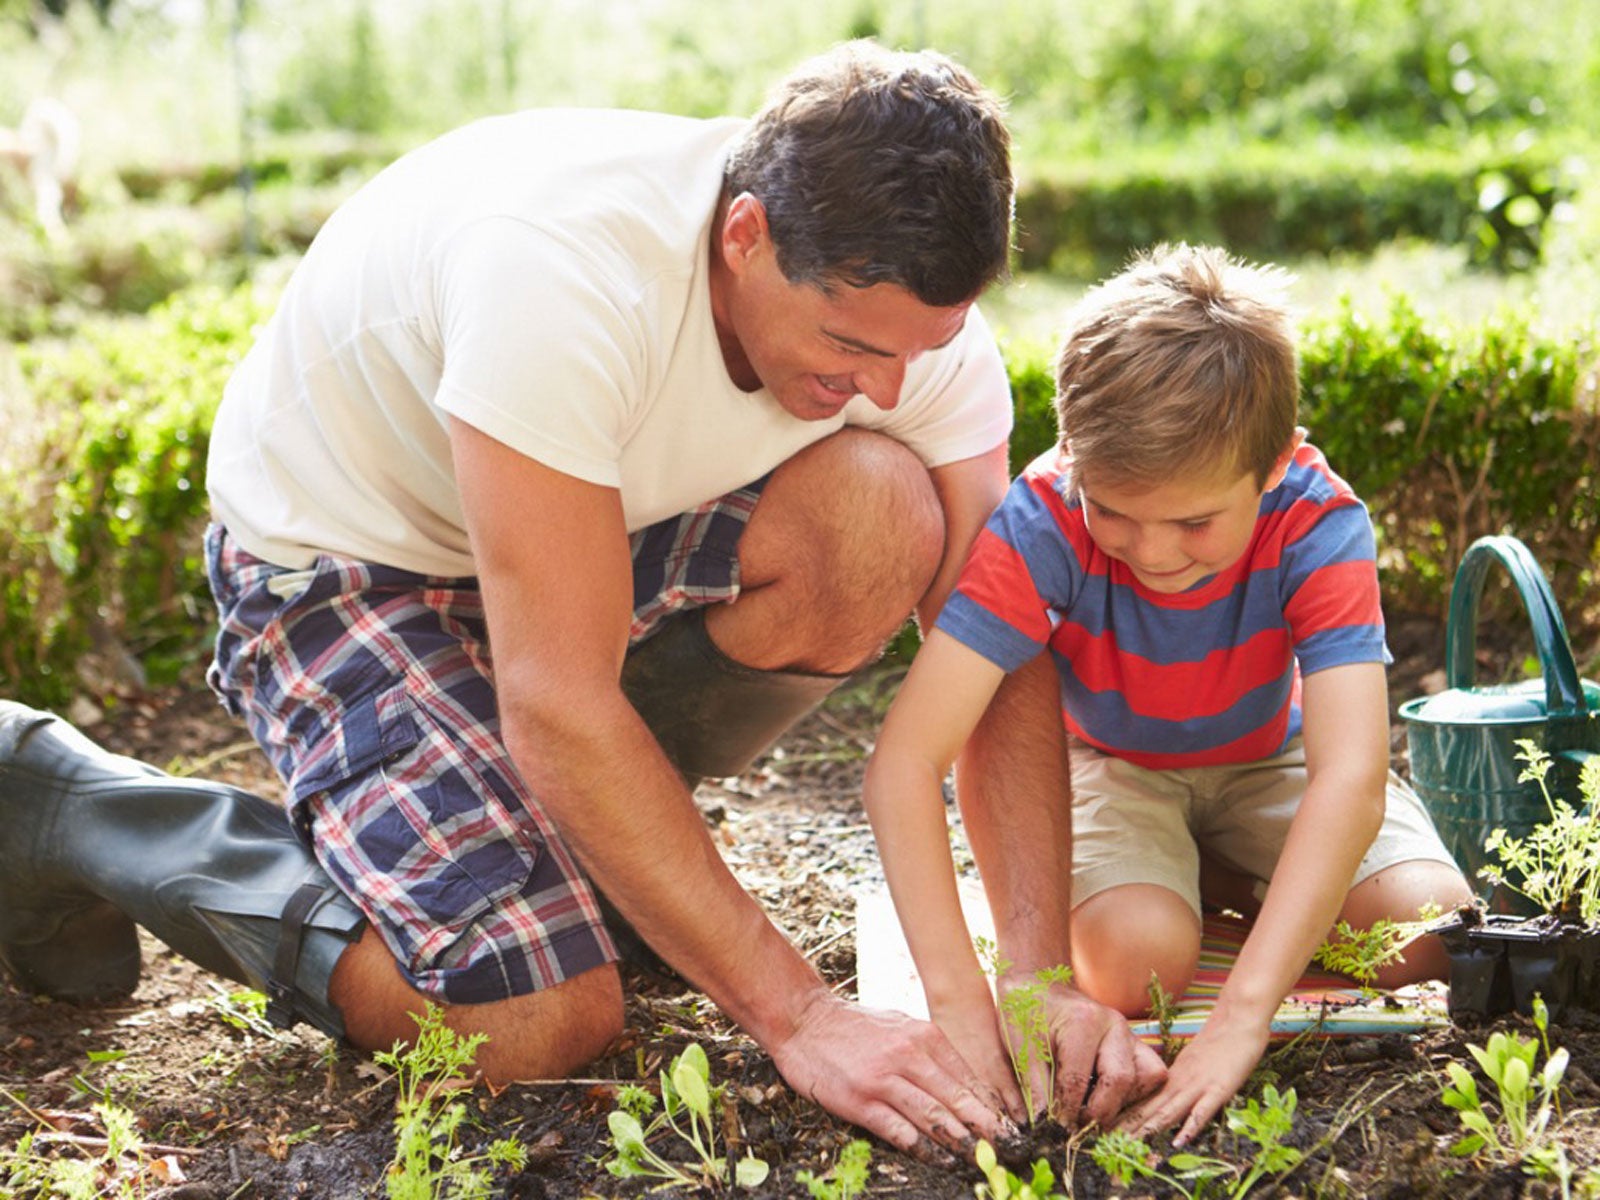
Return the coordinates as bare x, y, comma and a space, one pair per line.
1563, 691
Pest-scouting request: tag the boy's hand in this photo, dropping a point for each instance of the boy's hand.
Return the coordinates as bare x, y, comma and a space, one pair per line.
1207, 1074
1101, 1068
976, 1036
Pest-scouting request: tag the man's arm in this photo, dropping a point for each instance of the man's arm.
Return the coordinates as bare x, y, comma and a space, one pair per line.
1014, 788
554, 568
969, 491
1346, 733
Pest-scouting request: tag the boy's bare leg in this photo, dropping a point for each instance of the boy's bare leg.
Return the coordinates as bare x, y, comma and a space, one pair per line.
544, 1035
1121, 935
1399, 893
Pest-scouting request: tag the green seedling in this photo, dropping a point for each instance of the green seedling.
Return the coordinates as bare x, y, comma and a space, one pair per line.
1362, 953
846, 1179
119, 1171
429, 1163
1265, 1123
245, 1010
1557, 865
1000, 1184
1515, 1126
1125, 1158
1164, 1008
688, 1101
1023, 1007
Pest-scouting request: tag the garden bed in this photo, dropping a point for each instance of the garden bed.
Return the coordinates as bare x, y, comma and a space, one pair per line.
238, 1113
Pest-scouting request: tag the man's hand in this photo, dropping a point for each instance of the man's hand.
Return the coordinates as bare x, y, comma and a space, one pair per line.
1100, 1067
895, 1076
1206, 1075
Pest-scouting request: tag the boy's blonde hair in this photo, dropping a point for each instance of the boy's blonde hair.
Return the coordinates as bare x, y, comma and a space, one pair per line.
1182, 363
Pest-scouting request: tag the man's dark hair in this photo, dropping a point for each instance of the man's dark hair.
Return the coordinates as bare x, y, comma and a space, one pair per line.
876, 166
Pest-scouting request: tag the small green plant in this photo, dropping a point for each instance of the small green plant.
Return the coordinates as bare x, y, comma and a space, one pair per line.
428, 1160
245, 1010
1164, 1008
1023, 1007
1362, 953
1525, 1096
846, 1179
119, 1171
688, 1101
1000, 1184
1557, 865
1125, 1158
1265, 1123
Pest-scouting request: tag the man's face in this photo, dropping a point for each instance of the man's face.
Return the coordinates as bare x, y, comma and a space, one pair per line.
1172, 535
815, 351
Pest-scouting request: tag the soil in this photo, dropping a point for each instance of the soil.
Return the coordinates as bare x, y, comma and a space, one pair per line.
229, 1109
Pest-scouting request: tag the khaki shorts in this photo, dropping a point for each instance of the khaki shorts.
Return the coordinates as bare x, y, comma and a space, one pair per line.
1133, 825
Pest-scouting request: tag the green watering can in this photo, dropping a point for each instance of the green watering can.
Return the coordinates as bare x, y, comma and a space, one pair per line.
1464, 761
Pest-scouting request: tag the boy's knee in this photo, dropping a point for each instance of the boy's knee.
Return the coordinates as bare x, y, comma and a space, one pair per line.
1128, 937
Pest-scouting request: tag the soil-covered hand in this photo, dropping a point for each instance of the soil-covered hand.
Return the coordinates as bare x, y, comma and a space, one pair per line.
1100, 1066
895, 1076
977, 1038
1206, 1075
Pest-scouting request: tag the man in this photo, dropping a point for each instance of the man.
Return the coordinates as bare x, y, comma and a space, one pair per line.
586, 451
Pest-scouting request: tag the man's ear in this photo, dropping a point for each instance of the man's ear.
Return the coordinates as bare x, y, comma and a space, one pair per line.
744, 231
1281, 467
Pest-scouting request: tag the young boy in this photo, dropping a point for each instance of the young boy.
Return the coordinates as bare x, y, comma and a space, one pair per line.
1205, 589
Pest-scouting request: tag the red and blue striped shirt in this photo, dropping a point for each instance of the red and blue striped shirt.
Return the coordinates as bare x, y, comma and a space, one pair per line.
1202, 677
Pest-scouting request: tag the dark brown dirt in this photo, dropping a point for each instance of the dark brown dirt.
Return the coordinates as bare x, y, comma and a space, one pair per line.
231, 1111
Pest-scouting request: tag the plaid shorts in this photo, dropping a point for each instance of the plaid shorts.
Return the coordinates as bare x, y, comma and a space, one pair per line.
370, 690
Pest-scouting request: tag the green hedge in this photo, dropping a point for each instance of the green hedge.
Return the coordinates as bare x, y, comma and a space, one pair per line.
1267, 201
104, 498
1448, 434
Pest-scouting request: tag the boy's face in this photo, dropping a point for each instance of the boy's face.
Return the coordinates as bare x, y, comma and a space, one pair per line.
1172, 535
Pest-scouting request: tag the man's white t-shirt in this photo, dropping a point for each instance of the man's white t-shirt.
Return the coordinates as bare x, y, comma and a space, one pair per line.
543, 278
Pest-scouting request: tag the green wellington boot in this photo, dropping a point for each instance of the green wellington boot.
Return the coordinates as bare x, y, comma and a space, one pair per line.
92, 844
712, 717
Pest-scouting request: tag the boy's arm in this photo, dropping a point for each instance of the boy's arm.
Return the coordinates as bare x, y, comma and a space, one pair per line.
943, 697
1014, 785
1346, 731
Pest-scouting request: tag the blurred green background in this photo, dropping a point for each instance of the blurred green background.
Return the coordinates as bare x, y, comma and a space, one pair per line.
1427, 169
1385, 142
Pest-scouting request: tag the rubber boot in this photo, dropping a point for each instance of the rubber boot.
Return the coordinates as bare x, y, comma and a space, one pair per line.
712, 716
92, 844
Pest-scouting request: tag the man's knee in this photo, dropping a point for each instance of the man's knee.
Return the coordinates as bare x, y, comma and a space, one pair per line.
848, 535
544, 1035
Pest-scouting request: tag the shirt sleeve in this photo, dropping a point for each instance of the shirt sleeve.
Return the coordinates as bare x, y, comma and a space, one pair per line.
540, 348
1019, 574
1330, 576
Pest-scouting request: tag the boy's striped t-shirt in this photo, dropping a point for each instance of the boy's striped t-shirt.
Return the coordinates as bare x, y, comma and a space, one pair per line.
1206, 676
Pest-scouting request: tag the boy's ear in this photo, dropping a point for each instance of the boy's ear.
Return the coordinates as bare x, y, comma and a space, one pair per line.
1281, 467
